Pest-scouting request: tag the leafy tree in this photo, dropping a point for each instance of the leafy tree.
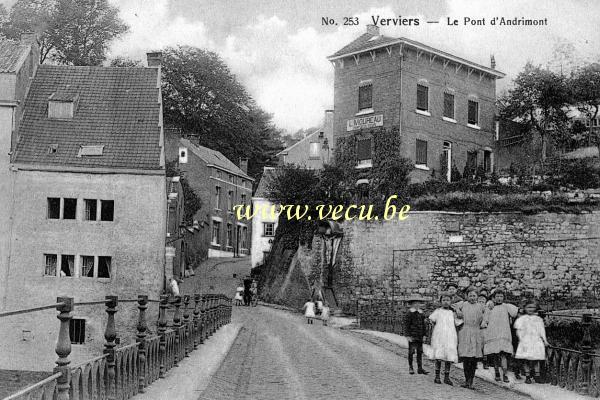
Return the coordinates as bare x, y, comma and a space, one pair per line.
202, 97
539, 99
125, 62
585, 84
75, 32
391, 176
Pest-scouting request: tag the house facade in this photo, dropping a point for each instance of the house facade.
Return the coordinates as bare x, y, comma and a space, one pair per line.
313, 151
264, 223
221, 185
85, 206
442, 105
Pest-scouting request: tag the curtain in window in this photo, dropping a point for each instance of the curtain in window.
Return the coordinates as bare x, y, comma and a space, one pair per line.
87, 266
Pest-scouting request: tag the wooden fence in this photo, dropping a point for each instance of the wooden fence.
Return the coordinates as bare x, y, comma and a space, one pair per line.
122, 372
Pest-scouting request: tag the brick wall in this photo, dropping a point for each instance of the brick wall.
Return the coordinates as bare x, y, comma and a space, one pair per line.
365, 264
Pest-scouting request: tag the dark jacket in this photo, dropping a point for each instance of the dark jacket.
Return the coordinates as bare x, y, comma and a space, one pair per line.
415, 325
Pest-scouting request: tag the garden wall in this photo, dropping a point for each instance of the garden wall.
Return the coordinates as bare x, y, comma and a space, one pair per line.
539, 264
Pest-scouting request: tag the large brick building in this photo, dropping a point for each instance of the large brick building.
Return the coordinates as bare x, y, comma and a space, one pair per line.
442, 105
84, 199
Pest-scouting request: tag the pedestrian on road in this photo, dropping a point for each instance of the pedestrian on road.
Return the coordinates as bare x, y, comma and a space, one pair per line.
483, 299
497, 337
325, 313
174, 287
444, 339
532, 341
309, 311
470, 335
416, 331
319, 306
238, 295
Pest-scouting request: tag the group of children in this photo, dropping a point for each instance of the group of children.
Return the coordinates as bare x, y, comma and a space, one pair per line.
473, 329
316, 309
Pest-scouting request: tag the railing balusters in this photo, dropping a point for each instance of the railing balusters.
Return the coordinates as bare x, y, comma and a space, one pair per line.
110, 334
176, 326
186, 323
63, 348
196, 321
142, 327
162, 328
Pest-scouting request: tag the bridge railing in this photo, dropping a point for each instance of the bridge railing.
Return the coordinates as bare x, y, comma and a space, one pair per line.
122, 372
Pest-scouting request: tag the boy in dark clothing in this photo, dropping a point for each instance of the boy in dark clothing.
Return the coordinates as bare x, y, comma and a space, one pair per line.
415, 332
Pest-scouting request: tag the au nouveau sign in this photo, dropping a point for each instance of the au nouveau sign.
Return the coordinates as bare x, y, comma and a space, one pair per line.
364, 122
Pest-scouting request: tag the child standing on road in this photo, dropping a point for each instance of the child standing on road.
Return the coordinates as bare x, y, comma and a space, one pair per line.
497, 337
482, 299
532, 341
415, 331
309, 311
325, 313
444, 340
470, 338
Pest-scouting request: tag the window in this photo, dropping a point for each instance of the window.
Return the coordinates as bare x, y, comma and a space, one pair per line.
243, 198
422, 98
244, 238
449, 105
107, 210
53, 207
91, 209
232, 179
216, 232
230, 200
77, 330
92, 150
363, 152
365, 96
218, 198
421, 153
67, 265
315, 148
51, 261
473, 113
104, 265
60, 109
229, 235
487, 161
87, 267
69, 208
268, 229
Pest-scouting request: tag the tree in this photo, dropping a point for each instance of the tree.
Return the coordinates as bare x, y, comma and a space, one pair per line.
538, 99
203, 98
585, 84
75, 32
125, 62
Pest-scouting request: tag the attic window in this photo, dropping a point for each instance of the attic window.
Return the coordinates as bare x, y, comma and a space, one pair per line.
53, 148
94, 150
62, 106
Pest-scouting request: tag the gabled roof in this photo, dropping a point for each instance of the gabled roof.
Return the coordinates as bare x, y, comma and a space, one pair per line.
12, 54
215, 158
368, 42
262, 190
285, 151
117, 108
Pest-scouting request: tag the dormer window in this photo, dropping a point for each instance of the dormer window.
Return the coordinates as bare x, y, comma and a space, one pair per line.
94, 150
62, 106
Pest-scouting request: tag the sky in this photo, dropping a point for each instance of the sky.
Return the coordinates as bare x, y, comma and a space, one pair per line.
278, 48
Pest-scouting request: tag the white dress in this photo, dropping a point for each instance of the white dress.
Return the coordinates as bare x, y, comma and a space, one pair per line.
309, 309
444, 340
238, 293
532, 338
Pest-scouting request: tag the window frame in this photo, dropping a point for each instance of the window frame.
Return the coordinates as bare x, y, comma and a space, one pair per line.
267, 225
86, 213
101, 210
47, 257
48, 207
218, 197
362, 101
317, 153
77, 325
63, 208
216, 240
446, 117
476, 102
420, 110
364, 162
418, 162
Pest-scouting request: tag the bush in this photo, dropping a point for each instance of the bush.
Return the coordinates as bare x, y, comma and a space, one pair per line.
581, 173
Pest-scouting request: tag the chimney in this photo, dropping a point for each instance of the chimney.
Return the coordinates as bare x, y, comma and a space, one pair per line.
373, 30
244, 164
154, 59
492, 62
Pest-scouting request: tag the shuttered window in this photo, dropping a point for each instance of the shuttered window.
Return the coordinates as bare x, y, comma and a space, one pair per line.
363, 150
449, 105
473, 117
365, 96
421, 156
422, 98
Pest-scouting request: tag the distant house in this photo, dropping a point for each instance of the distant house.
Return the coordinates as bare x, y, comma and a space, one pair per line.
221, 185
313, 151
83, 194
264, 223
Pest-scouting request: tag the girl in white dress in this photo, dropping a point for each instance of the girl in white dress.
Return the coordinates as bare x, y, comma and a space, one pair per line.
532, 340
444, 339
238, 295
309, 311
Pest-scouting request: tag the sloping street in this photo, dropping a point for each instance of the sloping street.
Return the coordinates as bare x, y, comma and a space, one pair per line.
277, 355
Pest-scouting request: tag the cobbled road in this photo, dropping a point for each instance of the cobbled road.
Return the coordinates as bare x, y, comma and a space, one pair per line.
277, 355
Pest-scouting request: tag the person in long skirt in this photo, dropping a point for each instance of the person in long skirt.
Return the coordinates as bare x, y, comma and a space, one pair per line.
309, 311
532, 341
238, 295
325, 313
497, 343
470, 335
443, 338
482, 299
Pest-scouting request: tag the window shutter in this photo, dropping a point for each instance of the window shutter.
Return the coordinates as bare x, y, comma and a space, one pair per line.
421, 156
473, 117
449, 105
365, 97
363, 151
422, 98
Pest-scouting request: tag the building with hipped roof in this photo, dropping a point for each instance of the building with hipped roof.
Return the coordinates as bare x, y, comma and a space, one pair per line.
264, 222
83, 195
